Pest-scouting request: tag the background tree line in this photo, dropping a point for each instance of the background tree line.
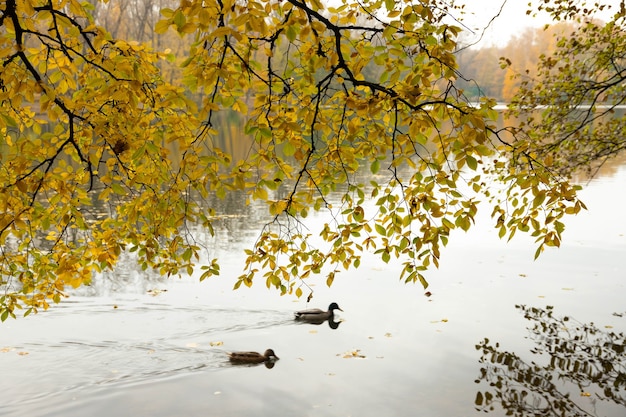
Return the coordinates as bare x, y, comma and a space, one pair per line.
497, 71
487, 70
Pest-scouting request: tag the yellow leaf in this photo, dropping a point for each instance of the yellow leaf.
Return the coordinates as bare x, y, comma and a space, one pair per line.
188, 28
240, 106
260, 193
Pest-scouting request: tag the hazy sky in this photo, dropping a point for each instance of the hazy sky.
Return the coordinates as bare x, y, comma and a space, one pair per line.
512, 18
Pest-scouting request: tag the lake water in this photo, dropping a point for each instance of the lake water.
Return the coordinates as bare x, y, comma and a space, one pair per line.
122, 348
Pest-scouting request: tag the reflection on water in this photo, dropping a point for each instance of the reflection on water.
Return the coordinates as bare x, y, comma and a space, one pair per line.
332, 323
580, 355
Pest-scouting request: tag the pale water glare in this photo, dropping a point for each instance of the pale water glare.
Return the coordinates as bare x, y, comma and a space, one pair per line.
124, 349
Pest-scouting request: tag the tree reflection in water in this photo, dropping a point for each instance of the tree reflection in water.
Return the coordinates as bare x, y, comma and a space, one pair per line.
580, 356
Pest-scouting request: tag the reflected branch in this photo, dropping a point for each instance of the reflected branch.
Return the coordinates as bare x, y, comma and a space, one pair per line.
580, 355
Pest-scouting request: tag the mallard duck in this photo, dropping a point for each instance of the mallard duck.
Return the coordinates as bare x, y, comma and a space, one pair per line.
315, 315
252, 357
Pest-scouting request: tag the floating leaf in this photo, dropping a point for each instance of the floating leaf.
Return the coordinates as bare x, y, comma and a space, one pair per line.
353, 354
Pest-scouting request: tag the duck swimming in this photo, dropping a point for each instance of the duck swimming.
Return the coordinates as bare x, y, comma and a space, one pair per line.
252, 357
316, 315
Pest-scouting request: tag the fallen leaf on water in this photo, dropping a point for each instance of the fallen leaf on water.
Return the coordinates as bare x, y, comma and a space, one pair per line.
6, 349
567, 289
608, 327
353, 354
585, 394
216, 343
428, 293
522, 275
387, 334
444, 320
312, 331
22, 353
155, 291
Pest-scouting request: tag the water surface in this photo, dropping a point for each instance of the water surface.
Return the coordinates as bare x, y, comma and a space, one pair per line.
121, 348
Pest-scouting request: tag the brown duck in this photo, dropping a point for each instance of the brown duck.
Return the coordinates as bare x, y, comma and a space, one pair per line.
252, 357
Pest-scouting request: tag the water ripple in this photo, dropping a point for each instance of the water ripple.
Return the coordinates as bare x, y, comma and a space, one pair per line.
155, 341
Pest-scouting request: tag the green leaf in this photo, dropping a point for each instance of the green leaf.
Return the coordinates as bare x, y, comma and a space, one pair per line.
179, 19
291, 33
375, 166
117, 189
471, 162
289, 149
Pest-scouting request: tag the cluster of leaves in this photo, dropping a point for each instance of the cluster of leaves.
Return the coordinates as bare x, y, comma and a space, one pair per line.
364, 84
84, 170
580, 91
579, 353
101, 155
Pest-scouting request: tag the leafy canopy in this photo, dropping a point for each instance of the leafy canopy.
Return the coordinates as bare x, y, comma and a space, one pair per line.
99, 155
579, 88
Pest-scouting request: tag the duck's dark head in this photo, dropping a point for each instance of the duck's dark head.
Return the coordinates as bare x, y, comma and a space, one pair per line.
269, 354
333, 306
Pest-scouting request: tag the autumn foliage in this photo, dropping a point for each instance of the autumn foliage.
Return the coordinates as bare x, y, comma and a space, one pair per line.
108, 147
